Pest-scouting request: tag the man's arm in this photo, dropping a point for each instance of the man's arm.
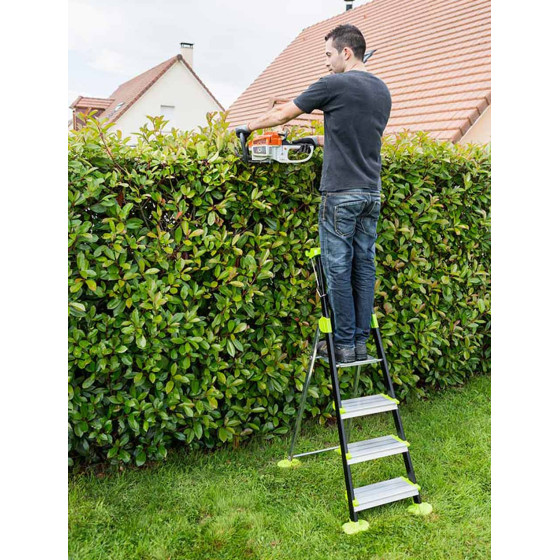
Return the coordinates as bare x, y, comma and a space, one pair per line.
277, 115
280, 114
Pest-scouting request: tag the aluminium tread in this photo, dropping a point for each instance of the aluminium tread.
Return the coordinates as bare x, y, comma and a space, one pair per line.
340, 365
384, 492
365, 406
376, 448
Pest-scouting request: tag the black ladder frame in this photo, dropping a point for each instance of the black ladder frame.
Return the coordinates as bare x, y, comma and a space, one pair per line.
326, 328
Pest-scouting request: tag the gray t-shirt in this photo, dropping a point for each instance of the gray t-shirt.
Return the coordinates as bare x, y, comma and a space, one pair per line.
356, 107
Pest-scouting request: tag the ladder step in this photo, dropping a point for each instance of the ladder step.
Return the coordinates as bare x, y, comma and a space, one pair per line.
384, 492
340, 365
375, 448
364, 406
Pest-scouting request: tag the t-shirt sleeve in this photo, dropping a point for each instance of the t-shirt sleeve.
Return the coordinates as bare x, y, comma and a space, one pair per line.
316, 96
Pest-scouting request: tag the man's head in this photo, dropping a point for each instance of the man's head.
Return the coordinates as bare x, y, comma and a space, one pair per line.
345, 47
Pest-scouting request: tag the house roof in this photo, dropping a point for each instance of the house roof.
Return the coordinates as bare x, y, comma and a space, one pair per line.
91, 103
434, 55
128, 93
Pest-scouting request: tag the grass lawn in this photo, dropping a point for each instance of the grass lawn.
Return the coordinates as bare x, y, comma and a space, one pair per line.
237, 504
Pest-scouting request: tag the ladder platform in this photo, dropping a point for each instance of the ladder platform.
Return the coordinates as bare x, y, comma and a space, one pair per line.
340, 365
364, 406
384, 492
375, 448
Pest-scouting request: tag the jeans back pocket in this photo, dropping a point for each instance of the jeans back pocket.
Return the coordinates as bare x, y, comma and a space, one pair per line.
367, 222
346, 215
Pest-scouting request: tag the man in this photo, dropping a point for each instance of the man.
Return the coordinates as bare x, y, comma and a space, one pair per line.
356, 107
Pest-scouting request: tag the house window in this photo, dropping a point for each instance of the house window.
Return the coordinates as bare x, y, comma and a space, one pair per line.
168, 112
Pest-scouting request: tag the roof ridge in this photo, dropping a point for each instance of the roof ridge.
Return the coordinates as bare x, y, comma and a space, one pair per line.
145, 72
113, 116
468, 5
340, 14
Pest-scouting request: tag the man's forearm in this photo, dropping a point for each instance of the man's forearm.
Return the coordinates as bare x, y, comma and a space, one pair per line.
272, 118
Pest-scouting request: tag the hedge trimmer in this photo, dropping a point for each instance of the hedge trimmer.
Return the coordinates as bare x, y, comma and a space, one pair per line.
274, 146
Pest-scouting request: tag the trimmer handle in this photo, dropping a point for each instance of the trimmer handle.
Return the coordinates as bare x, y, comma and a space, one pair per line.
244, 149
243, 134
309, 140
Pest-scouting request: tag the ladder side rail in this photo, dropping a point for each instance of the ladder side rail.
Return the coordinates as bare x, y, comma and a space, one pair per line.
396, 415
319, 275
304, 395
354, 393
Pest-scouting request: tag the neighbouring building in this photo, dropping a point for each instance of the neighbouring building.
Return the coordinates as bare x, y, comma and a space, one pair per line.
171, 89
434, 55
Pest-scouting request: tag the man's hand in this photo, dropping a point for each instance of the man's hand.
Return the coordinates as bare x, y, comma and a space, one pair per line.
311, 140
243, 130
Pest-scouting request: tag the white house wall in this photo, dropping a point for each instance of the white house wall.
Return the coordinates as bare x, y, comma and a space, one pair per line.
178, 88
479, 132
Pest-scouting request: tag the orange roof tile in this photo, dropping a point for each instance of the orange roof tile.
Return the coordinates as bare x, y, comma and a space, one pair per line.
91, 103
434, 55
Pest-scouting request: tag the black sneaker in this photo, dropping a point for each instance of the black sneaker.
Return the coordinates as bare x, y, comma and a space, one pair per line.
361, 351
342, 355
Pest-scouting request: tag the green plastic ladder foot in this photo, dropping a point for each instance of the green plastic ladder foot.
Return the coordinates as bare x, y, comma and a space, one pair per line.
353, 527
287, 464
420, 509
339, 451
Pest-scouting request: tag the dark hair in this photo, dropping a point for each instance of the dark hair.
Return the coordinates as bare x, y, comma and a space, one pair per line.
348, 36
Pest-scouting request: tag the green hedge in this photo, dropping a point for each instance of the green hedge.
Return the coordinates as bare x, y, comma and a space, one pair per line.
193, 306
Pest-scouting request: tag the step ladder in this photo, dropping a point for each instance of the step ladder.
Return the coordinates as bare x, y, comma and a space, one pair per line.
380, 493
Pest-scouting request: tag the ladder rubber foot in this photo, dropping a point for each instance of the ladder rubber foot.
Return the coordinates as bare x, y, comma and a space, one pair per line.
353, 527
420, 509
287, 464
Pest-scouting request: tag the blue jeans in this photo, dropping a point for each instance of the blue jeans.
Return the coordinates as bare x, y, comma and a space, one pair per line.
347, 232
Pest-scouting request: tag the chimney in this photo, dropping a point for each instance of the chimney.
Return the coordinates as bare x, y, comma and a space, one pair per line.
348, 4
187, 52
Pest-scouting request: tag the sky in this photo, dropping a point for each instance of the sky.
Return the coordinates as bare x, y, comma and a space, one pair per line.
110, 42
